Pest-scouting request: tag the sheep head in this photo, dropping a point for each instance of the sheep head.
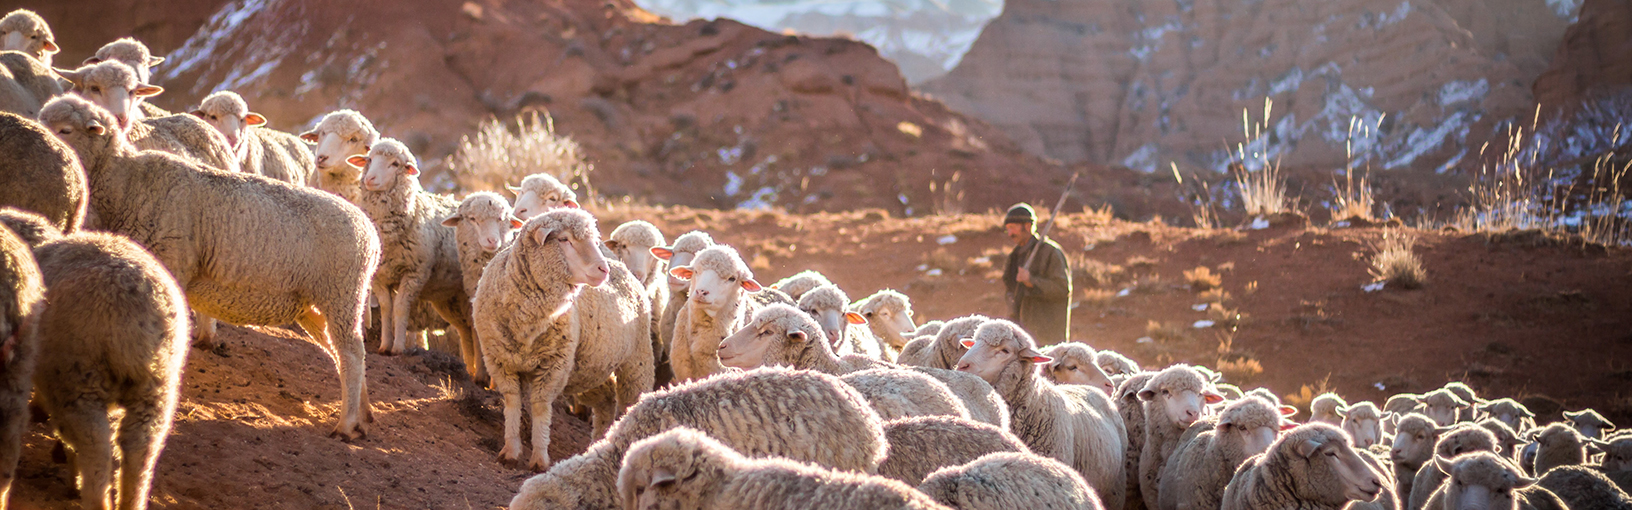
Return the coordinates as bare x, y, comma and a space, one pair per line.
680, 254
489, 215
1363, 422
889, 314
112, 85
775, 336
1589, 423
567, 239
23, 30
130, 51
1001, 352
227, 112
633, 243
1254, 422
540, 193
1074, 364
83, 125
1481, 481
1617, 453
1331, 471
1508, 411
1414, 439
339, 135
718, 278
681, 465
387, 162
1442, 405
1182, 392
827, 304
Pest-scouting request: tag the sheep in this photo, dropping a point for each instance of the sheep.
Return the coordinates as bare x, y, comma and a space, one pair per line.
260, 150
830, 306
25, 84
541, 192
898, 394
113, 86
1464, 439
679, 254
921, 445
1444, 407
1413, 445
782, 335
685, 469
24, 31
1002, 481
140, 59
22, 302
1389, 498
482, 225
801, 415
1589, 423
553, 310
244, 248
942, 350
1361, 420
1326, 408
1617, 461
32, 228
1200, 467
1511, 412
714, 308
1174, 399
926, 329
1133, 415
1584, 488
1485, 481
337, 136
1397, 407
1558, 445
1076, 425
1074, 364
632, 243
128, 354
1466, 393
41, 174
1508, 440
1310, 467
1114, 363
889, 317
797, 285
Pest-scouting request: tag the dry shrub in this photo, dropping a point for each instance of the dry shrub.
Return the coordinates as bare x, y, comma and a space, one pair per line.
500, 156
1224, 317
1307, 393
1140, 263
1168, 332
1394, 262
1216, 296
1091, 272
1098, 299
1241, 370
1202, 279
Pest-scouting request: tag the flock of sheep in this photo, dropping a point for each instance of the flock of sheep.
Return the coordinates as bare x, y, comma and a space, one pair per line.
706, 389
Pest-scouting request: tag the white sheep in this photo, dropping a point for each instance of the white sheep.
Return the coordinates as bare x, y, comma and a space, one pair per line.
1310, 467
552, 309
1584, 488
114, 86
678, 254
1466, 393
245, 249
337, 136
896, 394
942, 350
843, 328
1076, 425
1074, 363
136, 55
889, 317
260, 149
921, 445
25, 31
127, 354
714, 307
1510, 412
539, 193
1327, 408
632, 243
1397, 407
1559, 445
1413, 446
1509, 441
1589, 423
1444, 406
1363, 421
1133, 415
1200, 467
797, 285
482, 225
1114, 363
22, 301
801, 415
1174, 399
1485, 481
684, 469
1003, 481
1617, 461
40, 173
25, 84
927, 329
1463, 439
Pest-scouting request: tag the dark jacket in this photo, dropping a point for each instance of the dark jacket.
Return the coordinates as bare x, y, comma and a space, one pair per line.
1044, 309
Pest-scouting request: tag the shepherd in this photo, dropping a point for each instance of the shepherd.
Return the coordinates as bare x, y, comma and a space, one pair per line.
1036, 278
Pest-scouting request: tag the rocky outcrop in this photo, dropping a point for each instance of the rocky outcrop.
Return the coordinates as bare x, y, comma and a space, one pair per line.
1593, 60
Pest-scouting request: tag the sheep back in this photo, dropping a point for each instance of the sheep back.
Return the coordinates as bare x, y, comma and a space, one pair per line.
898, 394
921, 445
40, 173
1584, 488
187, 136
1002, 481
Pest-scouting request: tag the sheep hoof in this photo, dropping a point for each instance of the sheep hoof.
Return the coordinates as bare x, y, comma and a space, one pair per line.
349, 434
538, 464
509, 457
389, 351
483, 381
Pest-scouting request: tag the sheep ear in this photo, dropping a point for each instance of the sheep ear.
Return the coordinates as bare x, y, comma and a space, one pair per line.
683, 273
1147, 395
513, 189
92, 60
1034, 356
155, 61
95, 128
516, 222
197, 113
751, 286
411, 169
662, 252
147, 90
967, 343
255, 119
359, 161
51, 46
571, 204
541, 234
1308, 448
1211, 397
1595, 446
309, 136
1342, 412
1288, 411
1521, 481
451, 221
1527, 413
661, 476
1288, 425
854, 318
73, 77
1442, 464
611, 244
798, 336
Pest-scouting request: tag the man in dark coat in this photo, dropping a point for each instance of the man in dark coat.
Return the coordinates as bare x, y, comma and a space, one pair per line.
1039, 298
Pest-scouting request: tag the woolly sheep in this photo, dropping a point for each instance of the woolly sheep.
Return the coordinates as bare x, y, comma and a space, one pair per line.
1466, 393
921, 445
1362, 421
1174, 399
889, 317
244, 248
713, 309
943, 349
22, 301
41, 174
1584, 488
1200, 467
679, 254
1558, 445
1617, 461
797, 285
843, 328
482, 225
25, 84
1397, 407
1589, 423
1413, 446
113, 86
32, 228
1506, 438
927, 329
781, 335
632, 243
684, 469
129, 354
1114, 363
1076, 425
896, 394
337, 136
541, 192
260, 150
1484, 481
24, 31
552, 308
801, 415
1511, 412
1324, 408
1389, 498
1444, 406
1310, 467
1464, 439
133, 53
1003, 481
1133, 415
1074, 363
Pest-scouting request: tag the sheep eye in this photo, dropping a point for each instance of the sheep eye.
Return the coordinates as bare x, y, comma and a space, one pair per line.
1330, 453
96, 90
1165, 392
65, 131
731, 279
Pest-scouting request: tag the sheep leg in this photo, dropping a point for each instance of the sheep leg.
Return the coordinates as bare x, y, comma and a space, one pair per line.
12, 425
203, 331
602, 404
388, 314
458, 318
406, 296
634, 377
546, 386
141, 437
509, 385
84, 426
341, 334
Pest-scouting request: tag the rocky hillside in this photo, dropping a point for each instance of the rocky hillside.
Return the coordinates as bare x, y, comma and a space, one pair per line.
1143, 84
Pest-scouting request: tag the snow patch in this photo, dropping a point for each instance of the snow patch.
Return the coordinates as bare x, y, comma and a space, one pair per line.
1461, 90
202, 45
1144, 159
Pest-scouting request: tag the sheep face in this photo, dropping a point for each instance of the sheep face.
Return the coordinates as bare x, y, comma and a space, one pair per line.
489, 216
1481, 481
1182, 392
827, 305
1617, 453
565, 239
1074, 364
23, 30
891, 324
114, 87
1254, 422
1333, 460
1589, 423
1442, 406
1115, 364
1365, 431
1508, 411
1414, 443
540, 193
775, 336
675, 469
82, 125
718, 278
338, 136
229, 114
640, 260
999, 346
388, 161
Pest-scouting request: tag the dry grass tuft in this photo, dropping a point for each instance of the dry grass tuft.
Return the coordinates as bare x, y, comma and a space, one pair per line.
1394, 262
1098, 299
1087, 271
1202, 279
1140, 263
1307, 393
500, 156
1241, 370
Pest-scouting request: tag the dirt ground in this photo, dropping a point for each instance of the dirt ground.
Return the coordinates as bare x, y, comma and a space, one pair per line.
1513, 315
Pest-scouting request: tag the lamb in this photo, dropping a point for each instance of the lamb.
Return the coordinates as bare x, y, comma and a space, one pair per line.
40, 173
25, 84
22, 302
1310, 467
482, 225
1174, 399
136, 55
927, 329
1200, 467
339, 135
260, 150
686, 470
113, 86
889, 317
1589, 423
943, 350
1133, 414
128, 354
419, 257
896, 394
1464, 439
1076, 425
244, 248
1558, 445
1074, 363
1002, 481
1444, 407
1483, 480
1413, 446
23, 30
541, 192
1362, 421
803, 415
1326, 408
782, 335
1114, 363
921, 445
797, 285
1584, 488
1511, 412
830, 306
714, 308
679, 254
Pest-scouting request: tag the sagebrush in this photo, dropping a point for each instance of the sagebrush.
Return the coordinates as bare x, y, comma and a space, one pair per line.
499, 155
